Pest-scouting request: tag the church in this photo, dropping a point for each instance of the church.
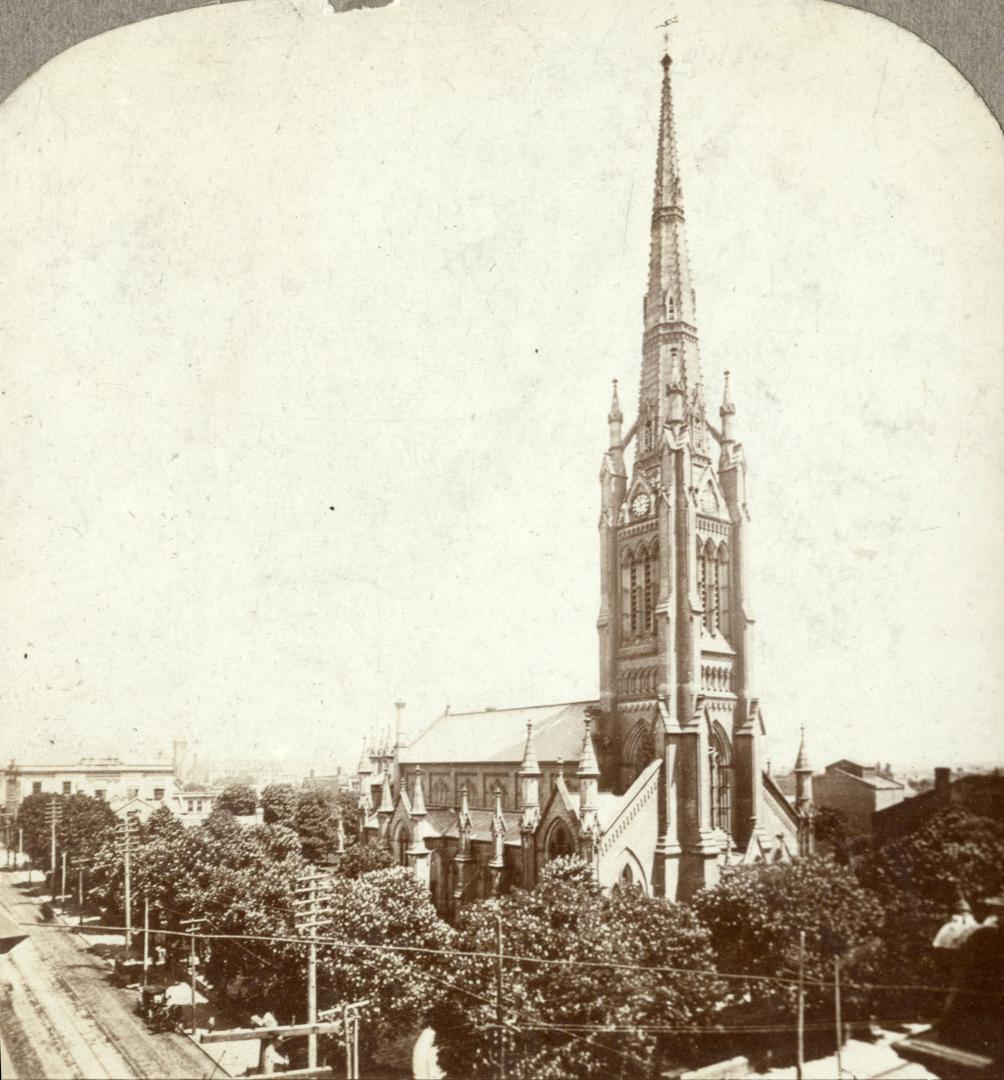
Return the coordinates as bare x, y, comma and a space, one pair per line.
658, 781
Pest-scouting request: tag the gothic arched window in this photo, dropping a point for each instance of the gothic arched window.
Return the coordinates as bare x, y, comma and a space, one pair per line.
710, 587
559, 841
651, 580
724, 592
702, 583
720, 761
635, 594
626, 878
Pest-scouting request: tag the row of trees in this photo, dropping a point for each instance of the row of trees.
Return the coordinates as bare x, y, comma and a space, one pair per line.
591, 982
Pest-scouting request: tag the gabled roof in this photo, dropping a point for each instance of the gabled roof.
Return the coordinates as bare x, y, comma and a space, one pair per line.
499, 735
869, 779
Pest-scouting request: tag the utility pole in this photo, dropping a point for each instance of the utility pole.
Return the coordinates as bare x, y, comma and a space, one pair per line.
499, 1013
836, 1005
312, 899
62, 887
128, 826
53, 813
80, 892
800, 1065
191, 924
146, 939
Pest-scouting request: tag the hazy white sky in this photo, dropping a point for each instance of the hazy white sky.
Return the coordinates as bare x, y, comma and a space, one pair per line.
307, 329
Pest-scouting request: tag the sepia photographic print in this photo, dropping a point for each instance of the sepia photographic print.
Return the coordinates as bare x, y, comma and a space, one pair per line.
501, 544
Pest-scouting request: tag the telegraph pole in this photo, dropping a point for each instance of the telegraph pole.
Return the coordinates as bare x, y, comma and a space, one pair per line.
146, 939
80, 892
62, 887
191, 924
313, 902
800, 1065
127, 831
53, 812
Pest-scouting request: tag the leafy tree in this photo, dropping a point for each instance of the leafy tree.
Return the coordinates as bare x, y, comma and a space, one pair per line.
347, 807
831, 833
918, 878
85, 824
82, 827
279, 803
314, 821
555, 1007
31, 820
364, 858
756, 913
239, 799
386, 907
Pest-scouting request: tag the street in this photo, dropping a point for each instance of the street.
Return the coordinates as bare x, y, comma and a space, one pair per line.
61, 1017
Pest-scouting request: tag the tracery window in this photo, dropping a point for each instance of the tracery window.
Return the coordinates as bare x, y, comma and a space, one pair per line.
639, 591
635, 597
724, 592
720, 761
559, 841
651, 574
710, 587
702, 583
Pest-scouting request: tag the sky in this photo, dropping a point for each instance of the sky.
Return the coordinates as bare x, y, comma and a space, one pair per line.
308, 324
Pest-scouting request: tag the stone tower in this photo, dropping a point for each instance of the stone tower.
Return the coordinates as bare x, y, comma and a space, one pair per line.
674, 625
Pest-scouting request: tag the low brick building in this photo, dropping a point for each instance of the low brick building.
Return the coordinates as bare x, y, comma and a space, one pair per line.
857, 791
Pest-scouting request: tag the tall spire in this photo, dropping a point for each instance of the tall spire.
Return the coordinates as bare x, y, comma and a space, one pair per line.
670, 342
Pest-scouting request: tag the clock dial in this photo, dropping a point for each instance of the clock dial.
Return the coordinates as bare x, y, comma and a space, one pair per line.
639, 506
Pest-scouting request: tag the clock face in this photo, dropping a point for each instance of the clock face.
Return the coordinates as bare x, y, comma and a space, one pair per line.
640, 505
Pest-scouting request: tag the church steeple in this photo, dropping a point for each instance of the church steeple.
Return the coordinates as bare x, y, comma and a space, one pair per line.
671, 372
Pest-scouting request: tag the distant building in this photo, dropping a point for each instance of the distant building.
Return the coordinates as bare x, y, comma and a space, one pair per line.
109, 779
193, 807
857, 791
982, 795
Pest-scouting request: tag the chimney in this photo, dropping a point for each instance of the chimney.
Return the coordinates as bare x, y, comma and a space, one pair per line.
942, 783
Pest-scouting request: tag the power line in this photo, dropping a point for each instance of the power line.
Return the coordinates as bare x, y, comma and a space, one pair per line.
336, 943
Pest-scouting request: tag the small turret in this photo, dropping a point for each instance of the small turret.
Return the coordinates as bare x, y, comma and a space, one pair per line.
615, 418
803, 800
588, 773
727, 414
497, 861
529, 784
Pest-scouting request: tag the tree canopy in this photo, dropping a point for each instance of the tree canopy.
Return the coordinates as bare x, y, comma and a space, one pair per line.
756, 914
83, 825
555, 1000
239, 799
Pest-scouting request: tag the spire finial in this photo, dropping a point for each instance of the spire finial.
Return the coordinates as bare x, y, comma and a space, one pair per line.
588, 765
802, 761
530, 766
727, 409
615, 416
